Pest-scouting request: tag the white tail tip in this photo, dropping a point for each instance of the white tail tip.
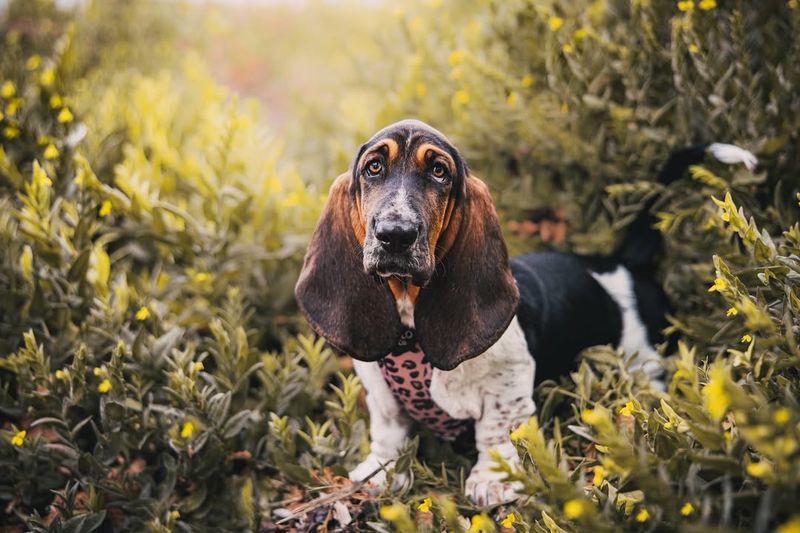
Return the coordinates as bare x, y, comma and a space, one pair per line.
77, 135
732, 154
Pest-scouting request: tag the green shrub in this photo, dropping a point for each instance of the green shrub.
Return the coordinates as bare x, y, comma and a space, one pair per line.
146, 273
154, 375
574, 106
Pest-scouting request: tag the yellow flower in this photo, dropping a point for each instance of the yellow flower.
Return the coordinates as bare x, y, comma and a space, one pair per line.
555, 23
512, 99
8, 90
481, 522
174, 515
726, 216
201, 277
97, 371
18, 438
11, 132
580, 34
719, 285
47, 77
707, 5
104, 386
628, 409
65, 115
2, 116
668, 424
33, 62
731, 312
461, 97
425, 506
693, 48
567, 48
421, 89
591, 416
759, 469
792, 4
597, 480
574, 509
105, 208
509, 520
455, 57
781, 416
13, 107
51, 152
527, 80
715, 395
746, 338
391, 512
142, 314
199, 366
687, 5
687, 509
60, 374
187, 430
793, 525
56, 101
642, 516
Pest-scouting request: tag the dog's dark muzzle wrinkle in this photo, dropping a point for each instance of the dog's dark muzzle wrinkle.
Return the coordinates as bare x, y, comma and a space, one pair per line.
396, 244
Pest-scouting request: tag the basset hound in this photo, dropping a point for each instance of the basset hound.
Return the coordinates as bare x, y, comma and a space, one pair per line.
407, 271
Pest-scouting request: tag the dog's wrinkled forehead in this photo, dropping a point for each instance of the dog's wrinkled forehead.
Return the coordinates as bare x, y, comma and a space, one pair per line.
408, 129
410, 141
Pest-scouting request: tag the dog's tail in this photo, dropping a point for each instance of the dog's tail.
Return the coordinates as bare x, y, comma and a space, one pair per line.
643, 241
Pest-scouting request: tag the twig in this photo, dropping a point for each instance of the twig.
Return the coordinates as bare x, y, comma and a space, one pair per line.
305, 508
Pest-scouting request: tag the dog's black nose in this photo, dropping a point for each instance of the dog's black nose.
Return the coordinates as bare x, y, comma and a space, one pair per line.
396, 236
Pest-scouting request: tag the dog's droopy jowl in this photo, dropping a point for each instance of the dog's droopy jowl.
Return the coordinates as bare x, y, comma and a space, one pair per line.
407, 271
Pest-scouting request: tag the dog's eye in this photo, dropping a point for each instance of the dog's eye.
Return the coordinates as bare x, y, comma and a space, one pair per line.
439, 172
374, 168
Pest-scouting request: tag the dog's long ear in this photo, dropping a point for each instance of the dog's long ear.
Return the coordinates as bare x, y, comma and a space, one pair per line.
472, 298
354, 311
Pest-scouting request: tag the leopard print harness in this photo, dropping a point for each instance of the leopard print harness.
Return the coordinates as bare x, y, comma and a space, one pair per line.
408, 374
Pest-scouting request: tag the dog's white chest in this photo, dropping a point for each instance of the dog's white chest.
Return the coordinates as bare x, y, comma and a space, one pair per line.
506, 368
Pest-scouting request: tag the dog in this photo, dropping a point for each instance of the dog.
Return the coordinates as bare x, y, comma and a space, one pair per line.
407, 271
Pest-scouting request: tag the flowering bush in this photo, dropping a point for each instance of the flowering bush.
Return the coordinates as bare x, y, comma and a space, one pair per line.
153, 372
149, 243
568, 109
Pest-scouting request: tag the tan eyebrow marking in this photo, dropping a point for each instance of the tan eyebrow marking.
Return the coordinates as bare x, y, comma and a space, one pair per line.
391, 147
422, 153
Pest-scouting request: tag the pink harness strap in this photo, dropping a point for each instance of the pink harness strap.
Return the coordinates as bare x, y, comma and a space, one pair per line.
409, 378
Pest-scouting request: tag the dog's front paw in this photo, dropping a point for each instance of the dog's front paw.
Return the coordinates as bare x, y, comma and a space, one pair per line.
487, 488
373, 470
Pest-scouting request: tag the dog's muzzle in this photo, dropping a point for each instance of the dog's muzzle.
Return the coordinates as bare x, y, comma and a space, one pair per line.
396, 236
397, 247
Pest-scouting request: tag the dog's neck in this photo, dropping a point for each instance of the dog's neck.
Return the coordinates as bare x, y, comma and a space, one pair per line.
405, 296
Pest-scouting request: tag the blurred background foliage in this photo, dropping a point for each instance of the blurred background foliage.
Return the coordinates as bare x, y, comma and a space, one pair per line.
162, 166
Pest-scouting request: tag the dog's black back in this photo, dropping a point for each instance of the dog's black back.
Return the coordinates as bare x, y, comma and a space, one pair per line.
564, 308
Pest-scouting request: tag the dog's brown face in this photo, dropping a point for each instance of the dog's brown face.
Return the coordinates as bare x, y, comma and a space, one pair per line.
404, 180
410, 220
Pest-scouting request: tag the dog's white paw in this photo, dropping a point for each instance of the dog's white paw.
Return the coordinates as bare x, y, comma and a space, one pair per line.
378, 480
486, 488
